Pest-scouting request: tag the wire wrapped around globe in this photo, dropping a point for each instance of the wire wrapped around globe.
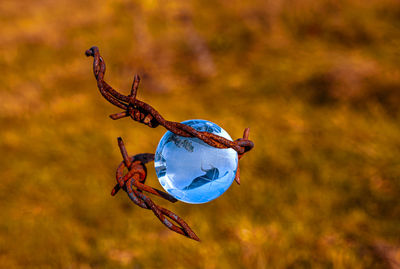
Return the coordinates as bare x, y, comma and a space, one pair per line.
191, 170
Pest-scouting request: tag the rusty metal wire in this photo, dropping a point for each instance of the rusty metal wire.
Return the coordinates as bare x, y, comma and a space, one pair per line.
136, 177
146, 114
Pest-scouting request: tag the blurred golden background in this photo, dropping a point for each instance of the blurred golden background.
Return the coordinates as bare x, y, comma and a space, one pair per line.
318, 83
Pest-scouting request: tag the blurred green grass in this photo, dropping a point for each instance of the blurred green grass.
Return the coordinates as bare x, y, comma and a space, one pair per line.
317, 82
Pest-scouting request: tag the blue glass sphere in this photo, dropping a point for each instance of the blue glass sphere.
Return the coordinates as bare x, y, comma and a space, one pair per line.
191, 170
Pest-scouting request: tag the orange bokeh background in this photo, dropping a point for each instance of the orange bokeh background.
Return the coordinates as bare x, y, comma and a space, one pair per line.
318, 83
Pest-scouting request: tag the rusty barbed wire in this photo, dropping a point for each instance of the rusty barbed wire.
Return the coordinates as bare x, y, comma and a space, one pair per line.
136, 177
144, 113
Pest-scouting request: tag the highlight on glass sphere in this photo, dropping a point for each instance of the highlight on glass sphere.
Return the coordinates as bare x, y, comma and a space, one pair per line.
191, 170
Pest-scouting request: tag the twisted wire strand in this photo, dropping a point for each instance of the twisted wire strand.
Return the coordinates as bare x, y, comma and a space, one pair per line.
146, 114
136, 173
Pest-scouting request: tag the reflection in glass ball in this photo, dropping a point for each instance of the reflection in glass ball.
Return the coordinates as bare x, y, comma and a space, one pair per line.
191, 170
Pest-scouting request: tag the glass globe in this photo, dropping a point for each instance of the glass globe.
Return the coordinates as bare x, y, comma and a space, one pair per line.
191, 170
